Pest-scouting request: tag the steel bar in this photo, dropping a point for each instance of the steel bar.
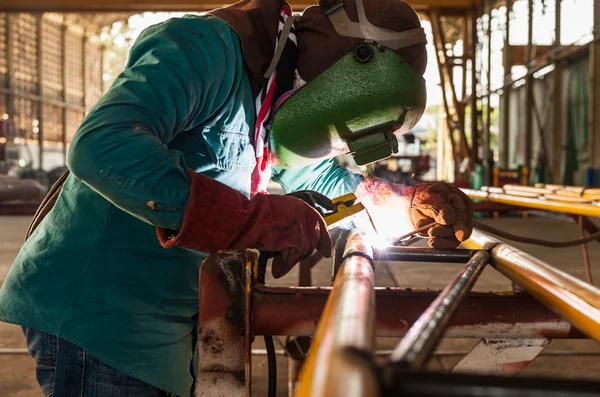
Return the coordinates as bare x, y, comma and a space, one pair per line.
540, 204
417, 384
417, 254
568, 296
422, 229
348, 321
423, 337
296, 311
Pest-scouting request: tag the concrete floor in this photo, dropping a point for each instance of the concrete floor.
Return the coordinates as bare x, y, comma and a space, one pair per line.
17, 378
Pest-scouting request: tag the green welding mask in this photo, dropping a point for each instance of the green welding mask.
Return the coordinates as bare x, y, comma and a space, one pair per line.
358, 105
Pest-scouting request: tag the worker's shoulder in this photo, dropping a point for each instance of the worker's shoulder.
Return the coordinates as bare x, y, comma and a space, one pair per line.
191, 27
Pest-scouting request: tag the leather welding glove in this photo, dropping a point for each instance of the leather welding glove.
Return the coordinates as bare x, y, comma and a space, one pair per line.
218, 217
418, 206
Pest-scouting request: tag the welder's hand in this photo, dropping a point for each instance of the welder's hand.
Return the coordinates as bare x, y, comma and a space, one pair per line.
400, 209
448, 206
218, 217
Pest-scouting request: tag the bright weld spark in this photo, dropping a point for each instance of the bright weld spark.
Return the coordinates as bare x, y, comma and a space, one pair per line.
391, 221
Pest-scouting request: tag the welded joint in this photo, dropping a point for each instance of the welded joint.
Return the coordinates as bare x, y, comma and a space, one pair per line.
361, 254
489, 248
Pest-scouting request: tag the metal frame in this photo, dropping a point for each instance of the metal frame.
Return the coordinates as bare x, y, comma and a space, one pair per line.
345, 319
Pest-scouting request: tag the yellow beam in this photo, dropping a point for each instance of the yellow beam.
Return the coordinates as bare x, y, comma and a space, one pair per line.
566, 295
536, 203
176, 5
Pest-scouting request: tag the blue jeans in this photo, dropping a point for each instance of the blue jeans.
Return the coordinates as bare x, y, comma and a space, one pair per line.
66, 370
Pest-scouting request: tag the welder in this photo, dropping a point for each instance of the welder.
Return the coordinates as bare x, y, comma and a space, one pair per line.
173, 162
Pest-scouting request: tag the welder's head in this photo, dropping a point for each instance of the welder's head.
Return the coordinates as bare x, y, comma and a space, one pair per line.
360, 66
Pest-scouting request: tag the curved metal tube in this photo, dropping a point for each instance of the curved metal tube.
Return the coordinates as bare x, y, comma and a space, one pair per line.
568, 296
347, 322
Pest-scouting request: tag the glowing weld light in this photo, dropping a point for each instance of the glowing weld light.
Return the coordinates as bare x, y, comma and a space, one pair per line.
391, 219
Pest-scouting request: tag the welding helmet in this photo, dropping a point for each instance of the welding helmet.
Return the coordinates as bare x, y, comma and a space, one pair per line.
360, 104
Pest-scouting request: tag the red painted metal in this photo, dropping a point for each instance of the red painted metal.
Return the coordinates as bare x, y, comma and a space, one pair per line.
296, 311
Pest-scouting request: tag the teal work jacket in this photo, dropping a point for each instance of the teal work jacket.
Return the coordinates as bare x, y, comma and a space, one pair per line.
94, 272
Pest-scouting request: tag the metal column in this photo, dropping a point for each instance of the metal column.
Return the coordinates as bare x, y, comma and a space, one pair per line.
529, 102
594, 97
505, 131
40, 71
65, 78
557, 111
474, 112
10, 104
487, 150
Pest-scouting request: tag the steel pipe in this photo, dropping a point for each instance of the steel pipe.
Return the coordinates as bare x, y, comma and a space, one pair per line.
296, 312
536, 203
417, 254
568, 296
348, 322
423, 337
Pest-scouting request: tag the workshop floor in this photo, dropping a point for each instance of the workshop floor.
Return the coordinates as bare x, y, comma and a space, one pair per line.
17, 378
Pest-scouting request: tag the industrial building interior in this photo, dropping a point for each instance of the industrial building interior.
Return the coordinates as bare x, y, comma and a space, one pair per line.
512, 119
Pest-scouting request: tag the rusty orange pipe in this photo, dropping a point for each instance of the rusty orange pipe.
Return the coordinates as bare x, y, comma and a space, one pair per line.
536, 203
577, 301
348, 321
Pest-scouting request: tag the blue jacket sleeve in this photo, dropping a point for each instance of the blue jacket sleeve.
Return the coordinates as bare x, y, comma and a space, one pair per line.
327, 178
178, 75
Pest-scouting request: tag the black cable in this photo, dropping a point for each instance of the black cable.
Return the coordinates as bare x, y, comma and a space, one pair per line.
263, 258
271, 366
